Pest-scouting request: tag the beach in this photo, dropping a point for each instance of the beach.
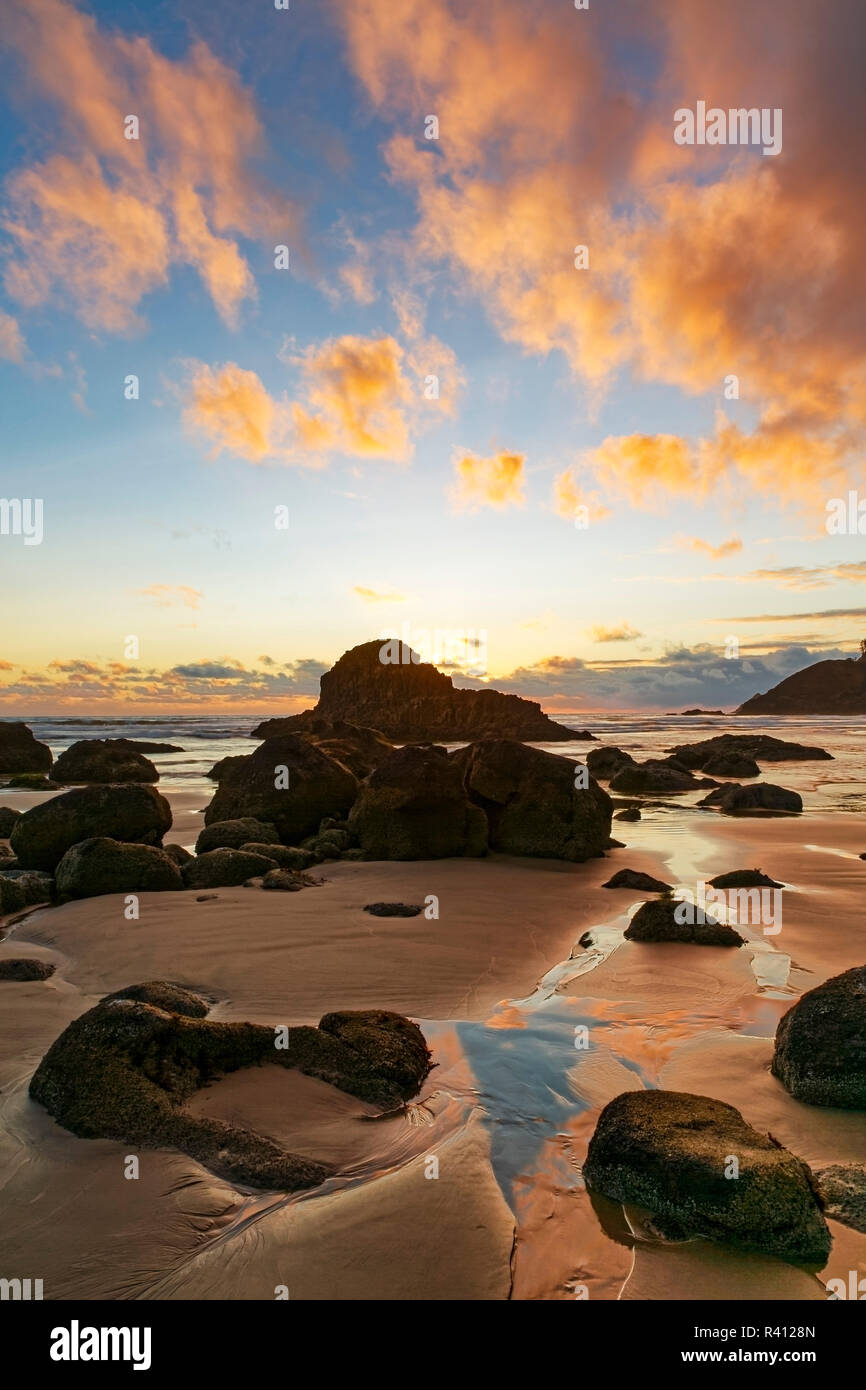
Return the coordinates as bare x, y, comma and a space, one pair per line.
500, 986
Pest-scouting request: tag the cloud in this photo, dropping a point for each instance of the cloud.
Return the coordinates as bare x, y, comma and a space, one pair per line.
357, 397
716, 552
12, 345
814, 577
488, 482
103, 220
209, 670
233, 409
173, 595
624, 633
378, 596
795, 617
693, 277
683, 676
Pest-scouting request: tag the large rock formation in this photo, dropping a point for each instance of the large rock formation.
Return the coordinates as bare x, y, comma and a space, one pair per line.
103, 760
670, 1153
409, 701
532, 802
414, 806
827, 687
123, 1070
359, 749
133, 813
820, 1053
20, 751
318, 786
762, 747
757, 799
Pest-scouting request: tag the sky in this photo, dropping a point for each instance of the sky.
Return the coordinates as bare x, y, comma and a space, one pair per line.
298, 348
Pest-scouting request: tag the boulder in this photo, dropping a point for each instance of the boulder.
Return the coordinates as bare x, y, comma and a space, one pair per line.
142, 745
180, 855
224, 868
12, 898
124, 1069
384, 685
101, 760
394, 909
232, 834
23, 968
286, 856
226, 767
317, 786
659, 921
92, 868
668, 1152
760, 747
8, 817
357, 748
531, 802
631, 813
36, 886
744, 878
654, 776
284, 881
34, 782
735, 800
606, 762
20, 751
132, 813
843, 1192
414, 806
731, 765
820, 1051
643, 883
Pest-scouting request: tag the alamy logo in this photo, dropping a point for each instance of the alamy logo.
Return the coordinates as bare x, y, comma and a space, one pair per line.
21, 1290
758, 906
738, 126
77, 1343
460, 649
22, 516
846, 516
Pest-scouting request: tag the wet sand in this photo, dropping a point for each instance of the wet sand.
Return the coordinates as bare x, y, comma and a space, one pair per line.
498, 984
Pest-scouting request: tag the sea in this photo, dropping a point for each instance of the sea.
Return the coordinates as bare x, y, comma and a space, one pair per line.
839, 785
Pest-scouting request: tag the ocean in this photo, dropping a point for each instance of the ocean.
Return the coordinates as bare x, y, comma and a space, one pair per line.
825, 786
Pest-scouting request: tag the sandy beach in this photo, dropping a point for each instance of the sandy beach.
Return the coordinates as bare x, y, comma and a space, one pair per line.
498, 984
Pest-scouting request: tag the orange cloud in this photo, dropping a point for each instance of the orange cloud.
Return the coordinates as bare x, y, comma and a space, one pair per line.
103, 222
232, 407
624, 633
693, 275
355, 397
377, 596
488, 482
717, 552
12, 345
173, 595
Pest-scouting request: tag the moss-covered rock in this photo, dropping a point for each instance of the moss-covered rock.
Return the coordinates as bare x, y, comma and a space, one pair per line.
134, 813
414, 806
180, 855
20, 751
671, 919
234, 834
286, 856
606, 762
98, 866
25, 968
103, 760
124, 1069
36, 886
820, 1051
670, 1152
12, 898
534, 801
287, 782
224, 868
757, 799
